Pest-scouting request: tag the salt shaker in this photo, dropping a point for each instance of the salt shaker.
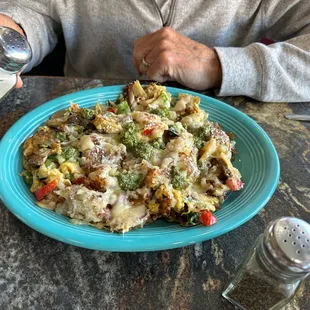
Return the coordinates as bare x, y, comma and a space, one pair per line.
274, 268
15, 53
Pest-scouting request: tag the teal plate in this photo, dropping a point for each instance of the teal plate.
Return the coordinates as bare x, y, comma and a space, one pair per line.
257, 160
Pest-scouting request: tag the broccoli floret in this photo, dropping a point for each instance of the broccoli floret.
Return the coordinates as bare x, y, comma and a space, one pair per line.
178, 179
129, 136
144, 150
165, 97
163, 112
88, 113
69, 176
174, 129
61, 136
49, 163
120, 99
130, 180
51, 160
71, 153
123, 108
78, 128
28, 178
158, 144
200, 136
199, 142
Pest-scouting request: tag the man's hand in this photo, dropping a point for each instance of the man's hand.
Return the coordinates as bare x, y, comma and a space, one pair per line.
167, 55
8, 22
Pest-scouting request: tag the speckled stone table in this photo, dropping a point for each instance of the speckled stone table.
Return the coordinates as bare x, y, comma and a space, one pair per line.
37, 272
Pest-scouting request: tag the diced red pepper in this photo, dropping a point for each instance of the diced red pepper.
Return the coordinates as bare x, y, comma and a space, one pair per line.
112, 109
44, 190
234, 184
207, 218
148, 131
79, 181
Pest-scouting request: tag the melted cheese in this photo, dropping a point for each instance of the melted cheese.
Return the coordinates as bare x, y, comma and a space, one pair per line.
195, 120
179, 106
85, 143
68, 167
208, 149
145, 117
226, 160
182, 144
126, 216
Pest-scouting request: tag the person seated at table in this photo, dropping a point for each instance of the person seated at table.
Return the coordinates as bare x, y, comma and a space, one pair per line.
200, 44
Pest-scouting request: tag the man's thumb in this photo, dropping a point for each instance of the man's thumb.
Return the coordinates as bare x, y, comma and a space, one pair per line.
19, 82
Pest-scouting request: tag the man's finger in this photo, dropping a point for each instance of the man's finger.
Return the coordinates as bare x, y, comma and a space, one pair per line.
6, 21
19, 82
144, 66
134, 62
142, 48
162, 48
159, 72
144, 45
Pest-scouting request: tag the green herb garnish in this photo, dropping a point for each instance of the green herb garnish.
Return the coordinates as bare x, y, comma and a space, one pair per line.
191, 218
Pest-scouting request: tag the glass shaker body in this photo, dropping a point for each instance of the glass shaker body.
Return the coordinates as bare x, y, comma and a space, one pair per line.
7, 82
255, 287
15, 53
274, 268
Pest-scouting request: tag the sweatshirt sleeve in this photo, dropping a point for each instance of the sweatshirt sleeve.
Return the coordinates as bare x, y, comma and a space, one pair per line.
36, 19
277, 72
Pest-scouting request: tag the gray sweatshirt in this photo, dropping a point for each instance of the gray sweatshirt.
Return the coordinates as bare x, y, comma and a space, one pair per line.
99, 36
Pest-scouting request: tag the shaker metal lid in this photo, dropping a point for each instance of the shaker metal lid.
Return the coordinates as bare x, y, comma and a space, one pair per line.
288, 241
15, 51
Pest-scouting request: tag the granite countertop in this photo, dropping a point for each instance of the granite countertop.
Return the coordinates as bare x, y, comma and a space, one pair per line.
37, 272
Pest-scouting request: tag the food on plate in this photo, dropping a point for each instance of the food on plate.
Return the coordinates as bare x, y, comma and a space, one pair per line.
121, 165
